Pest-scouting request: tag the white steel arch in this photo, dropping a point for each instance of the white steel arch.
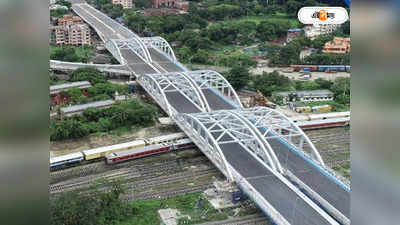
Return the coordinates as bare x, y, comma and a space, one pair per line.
204, 138
136, 45
154, 89
198, 90
113, 48
257, 133
177, 82
160, 44
209, 79
226, 127
273, 124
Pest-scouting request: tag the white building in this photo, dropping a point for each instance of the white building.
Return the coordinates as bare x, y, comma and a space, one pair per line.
316, 30
306, 96
126, 4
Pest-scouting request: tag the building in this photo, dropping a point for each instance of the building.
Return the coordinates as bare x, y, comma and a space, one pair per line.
292, 34
55, 7
79, 109
338, 46
160, 12
315, 30
126, 4
305, 96
183, 5
69, 19
71, 31
56, 97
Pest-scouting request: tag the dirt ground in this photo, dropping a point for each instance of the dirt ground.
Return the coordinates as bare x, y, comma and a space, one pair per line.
69, 146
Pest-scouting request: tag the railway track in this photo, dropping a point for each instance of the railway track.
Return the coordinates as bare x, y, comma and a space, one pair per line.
148, 178
141, 166
255, 219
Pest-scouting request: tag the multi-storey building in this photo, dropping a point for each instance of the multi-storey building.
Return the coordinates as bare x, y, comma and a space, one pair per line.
321, 29
126, 4
183, 5
71, 31
338, 45
69, 19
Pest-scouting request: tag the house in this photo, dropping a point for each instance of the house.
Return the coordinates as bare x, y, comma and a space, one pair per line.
79, 109
306, 96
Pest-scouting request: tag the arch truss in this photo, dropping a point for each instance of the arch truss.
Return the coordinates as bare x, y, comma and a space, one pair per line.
133, 44
215, 129
272, 124
160, 44
209, 79
176, 82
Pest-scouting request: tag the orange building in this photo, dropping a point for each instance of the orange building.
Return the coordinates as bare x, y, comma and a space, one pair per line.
338, 46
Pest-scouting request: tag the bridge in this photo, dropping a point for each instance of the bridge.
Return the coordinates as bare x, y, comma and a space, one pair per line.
259, 149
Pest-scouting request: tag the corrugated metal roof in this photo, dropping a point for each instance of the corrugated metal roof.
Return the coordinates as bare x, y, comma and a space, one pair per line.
306, 93
66, 157
114, 147
55, 88
77, 108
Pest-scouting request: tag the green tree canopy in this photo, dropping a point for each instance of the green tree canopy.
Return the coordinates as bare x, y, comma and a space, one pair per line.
238, 77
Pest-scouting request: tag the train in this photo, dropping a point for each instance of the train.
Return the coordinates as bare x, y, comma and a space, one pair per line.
323, 120
101, 152
321, 68
145, 147
117, 157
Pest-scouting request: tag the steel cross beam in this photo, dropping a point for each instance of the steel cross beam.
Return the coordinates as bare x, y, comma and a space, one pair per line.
161, 44
209, 79
176, 82
202, 137
226, 127
114, 49
136, 45
273, 124
154, 89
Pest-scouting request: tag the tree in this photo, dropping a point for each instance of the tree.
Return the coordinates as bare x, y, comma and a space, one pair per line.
341, 89
238, 77
201, 56
92, 208
75, 95
90, 74
292, 7
320, 41
270, 30
324, 84
64, 3
268, 83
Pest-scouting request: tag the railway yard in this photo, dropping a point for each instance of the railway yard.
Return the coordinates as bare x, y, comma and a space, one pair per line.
186, 172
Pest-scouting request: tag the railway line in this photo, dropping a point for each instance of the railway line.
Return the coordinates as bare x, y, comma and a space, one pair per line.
256, 219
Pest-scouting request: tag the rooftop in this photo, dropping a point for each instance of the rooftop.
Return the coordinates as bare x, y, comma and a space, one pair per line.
57, 88
78, 108
322, 92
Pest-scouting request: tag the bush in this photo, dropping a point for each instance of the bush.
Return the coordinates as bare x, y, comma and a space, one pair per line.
91, 74
93, 120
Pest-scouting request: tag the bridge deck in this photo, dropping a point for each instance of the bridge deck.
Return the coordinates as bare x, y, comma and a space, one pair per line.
119, 30
332, 192
295, 210
136, 63
165, 63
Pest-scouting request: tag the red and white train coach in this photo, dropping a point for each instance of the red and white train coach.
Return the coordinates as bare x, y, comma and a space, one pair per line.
122, 156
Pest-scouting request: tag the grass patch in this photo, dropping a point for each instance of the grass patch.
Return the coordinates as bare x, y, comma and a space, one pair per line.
194, 205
